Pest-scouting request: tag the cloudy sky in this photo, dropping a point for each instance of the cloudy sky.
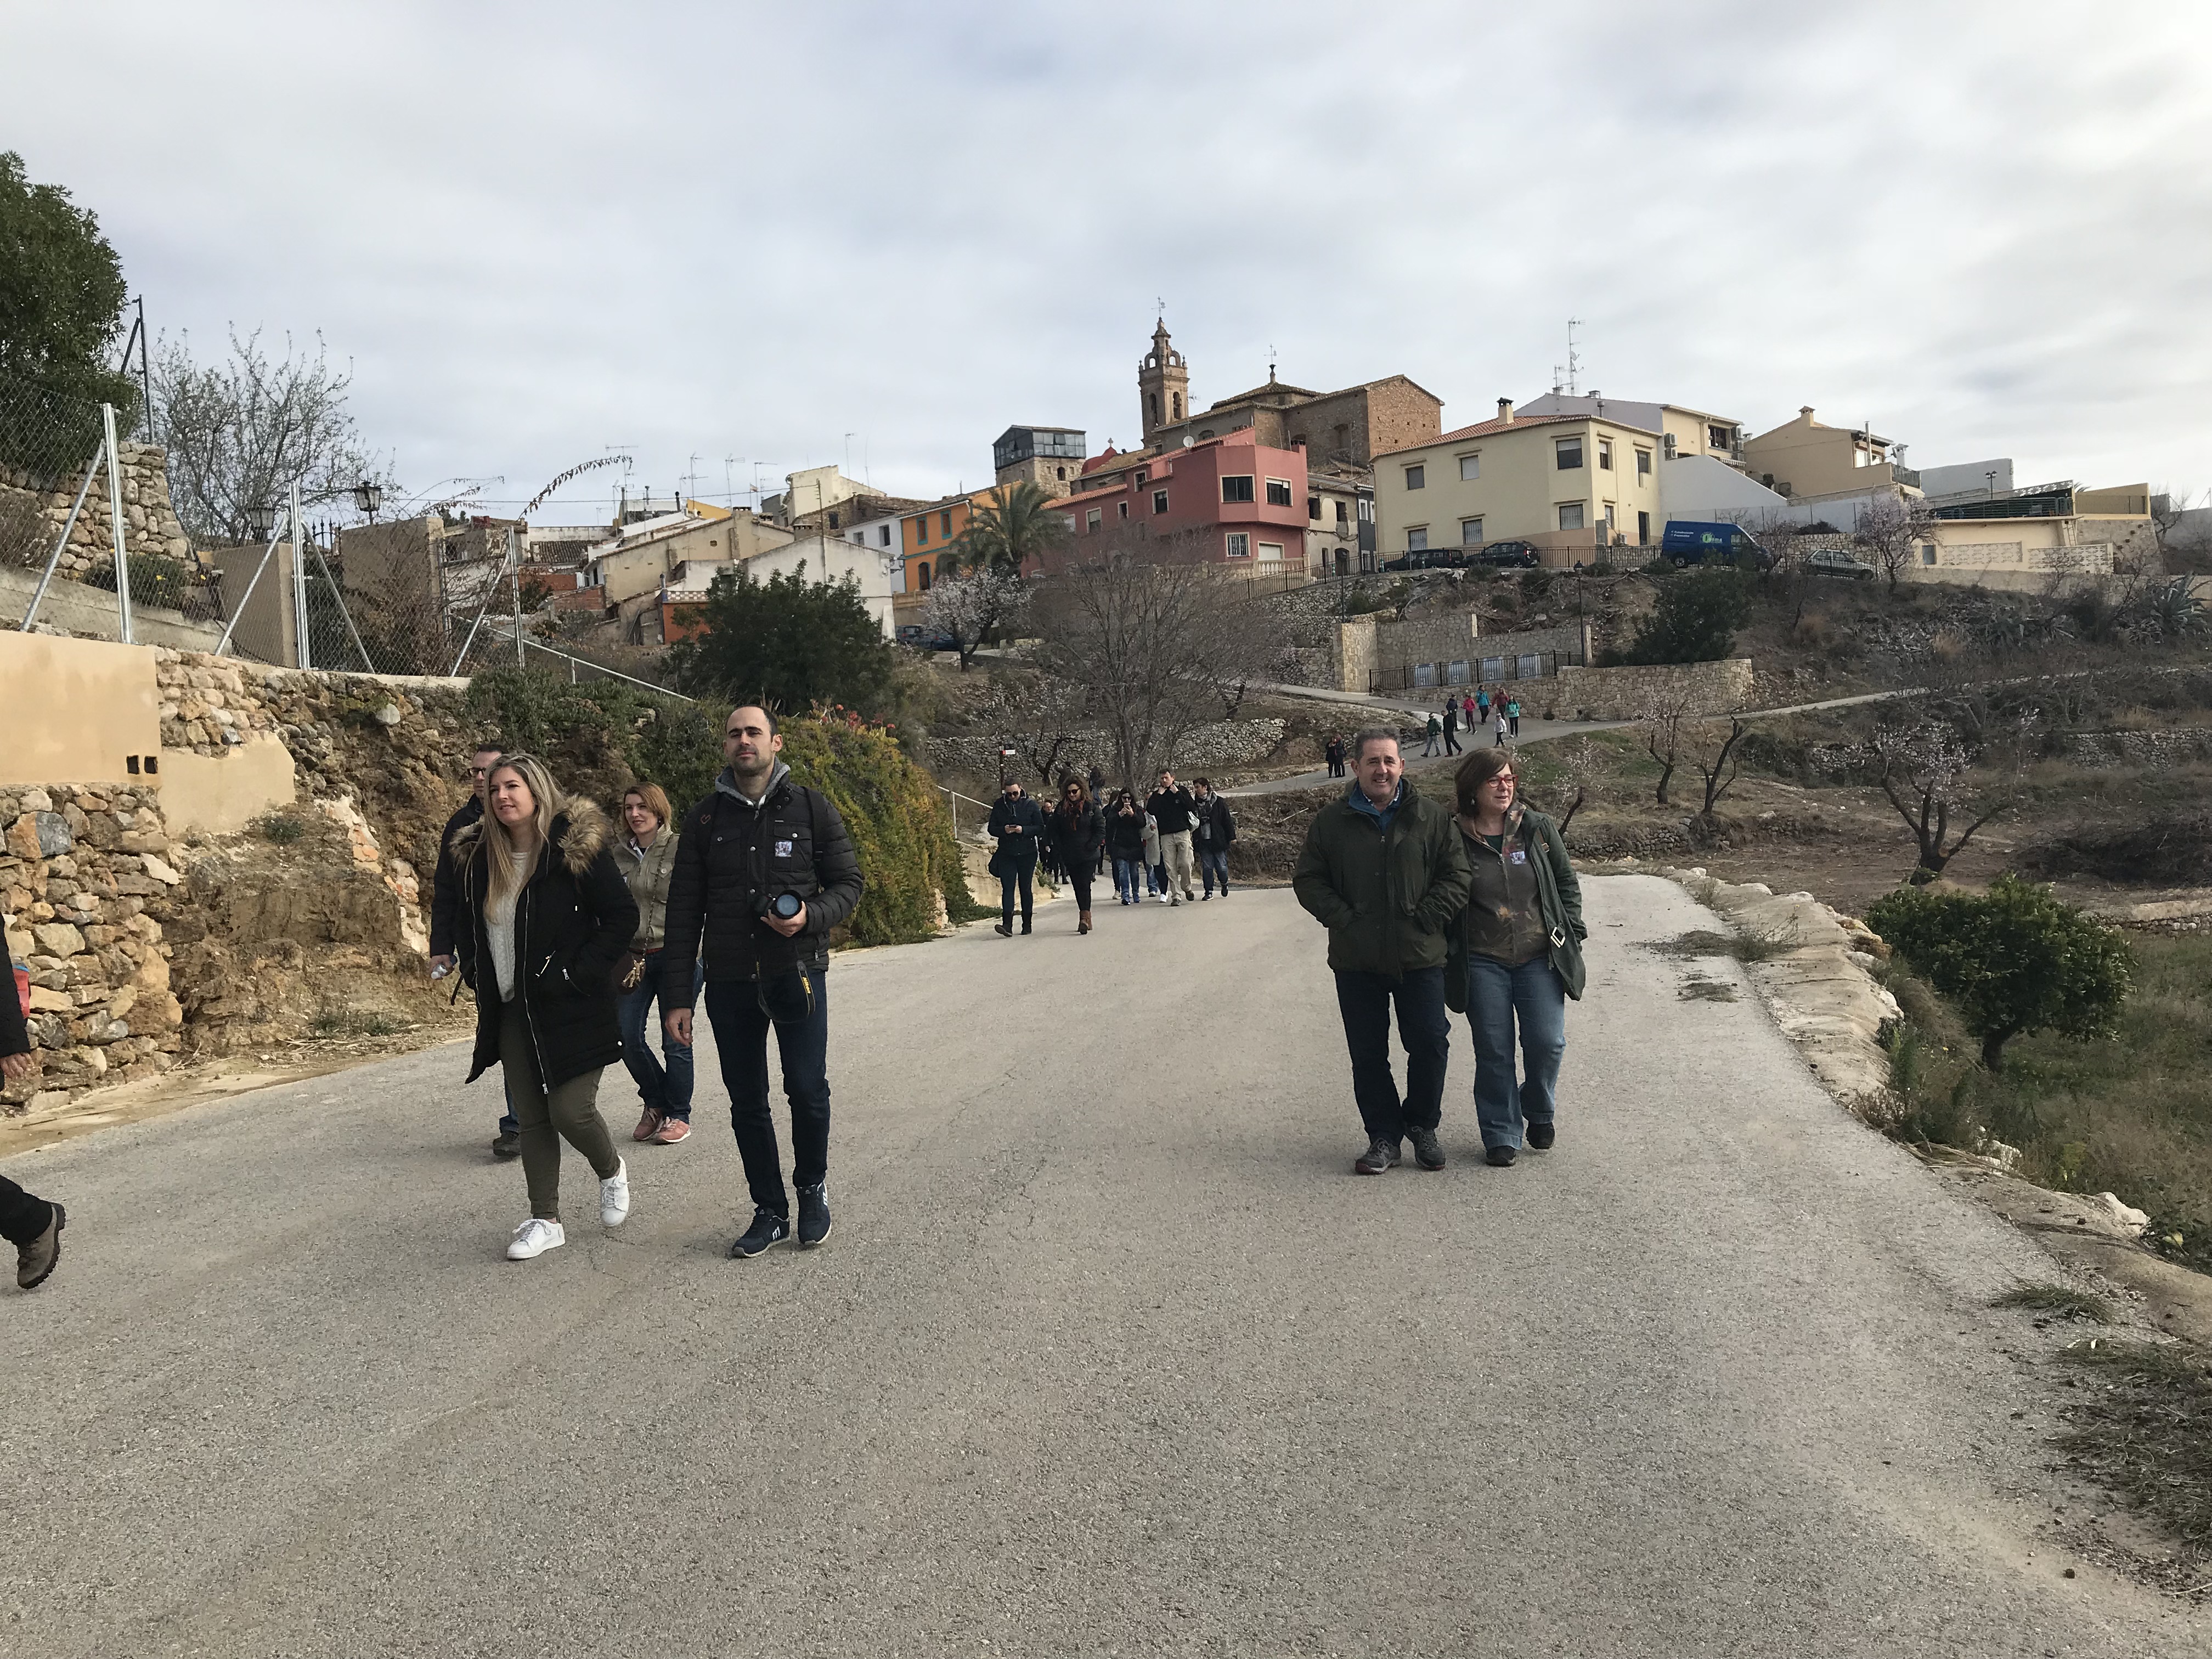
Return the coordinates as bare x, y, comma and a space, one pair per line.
748, 231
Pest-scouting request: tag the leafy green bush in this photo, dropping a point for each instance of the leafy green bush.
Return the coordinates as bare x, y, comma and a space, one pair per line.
1695, 620
2014, 959
788, 642
599, 738
279, 827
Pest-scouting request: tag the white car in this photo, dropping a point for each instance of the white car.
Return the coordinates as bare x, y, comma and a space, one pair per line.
1832, 562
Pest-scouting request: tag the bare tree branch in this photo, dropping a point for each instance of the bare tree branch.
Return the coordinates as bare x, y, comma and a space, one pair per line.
240, 432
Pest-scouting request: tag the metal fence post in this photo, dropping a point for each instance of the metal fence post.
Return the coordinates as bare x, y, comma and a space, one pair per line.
305, 652
115, 521
514, 572
54, 559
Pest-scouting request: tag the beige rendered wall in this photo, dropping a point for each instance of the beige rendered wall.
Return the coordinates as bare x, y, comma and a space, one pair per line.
1812, 458
1520, 488
224, 794
79, 608
79, 710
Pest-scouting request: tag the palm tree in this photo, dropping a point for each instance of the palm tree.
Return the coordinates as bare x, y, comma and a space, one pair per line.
1014, 524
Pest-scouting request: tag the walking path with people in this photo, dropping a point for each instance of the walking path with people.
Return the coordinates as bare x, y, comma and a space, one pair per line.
1534, 729
1111, 1351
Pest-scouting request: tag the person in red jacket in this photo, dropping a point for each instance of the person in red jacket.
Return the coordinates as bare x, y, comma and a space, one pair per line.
29, 1222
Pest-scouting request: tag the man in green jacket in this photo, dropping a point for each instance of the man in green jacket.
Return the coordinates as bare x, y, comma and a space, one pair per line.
1384, 870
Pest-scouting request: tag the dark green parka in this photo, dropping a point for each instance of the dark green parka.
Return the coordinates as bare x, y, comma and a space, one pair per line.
1559, 900
1386, 897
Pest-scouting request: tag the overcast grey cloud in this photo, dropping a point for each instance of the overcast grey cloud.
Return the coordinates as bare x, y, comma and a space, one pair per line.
736, 230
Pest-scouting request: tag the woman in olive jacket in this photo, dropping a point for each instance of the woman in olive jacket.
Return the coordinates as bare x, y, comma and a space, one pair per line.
1516, 955
549, 922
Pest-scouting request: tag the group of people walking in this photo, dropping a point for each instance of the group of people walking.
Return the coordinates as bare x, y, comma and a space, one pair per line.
570, 928
1430, 909
1473, 710
1172, 834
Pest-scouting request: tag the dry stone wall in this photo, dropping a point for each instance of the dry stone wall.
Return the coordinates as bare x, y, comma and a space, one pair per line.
86, 880
150, 526
1223, 742
1616, 693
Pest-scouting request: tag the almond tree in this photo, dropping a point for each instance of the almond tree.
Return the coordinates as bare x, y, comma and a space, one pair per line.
1713, 753
966, 608
1890, 533
1924, 773
1659, 716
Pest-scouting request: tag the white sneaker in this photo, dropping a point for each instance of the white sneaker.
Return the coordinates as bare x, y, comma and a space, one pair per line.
614, 1195
534, 1237
1165, 899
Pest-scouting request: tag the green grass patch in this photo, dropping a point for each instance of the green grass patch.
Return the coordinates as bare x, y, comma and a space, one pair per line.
2131, 1113
281, 828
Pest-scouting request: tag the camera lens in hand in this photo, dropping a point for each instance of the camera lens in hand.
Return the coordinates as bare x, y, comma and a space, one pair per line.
784, 906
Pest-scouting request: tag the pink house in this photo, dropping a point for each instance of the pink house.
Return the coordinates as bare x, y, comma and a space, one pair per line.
1233, 498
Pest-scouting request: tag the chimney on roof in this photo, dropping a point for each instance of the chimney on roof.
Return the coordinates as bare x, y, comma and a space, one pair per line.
1505, 411
1805, 411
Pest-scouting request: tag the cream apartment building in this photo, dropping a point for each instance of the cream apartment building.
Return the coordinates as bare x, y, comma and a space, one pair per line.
1571, 483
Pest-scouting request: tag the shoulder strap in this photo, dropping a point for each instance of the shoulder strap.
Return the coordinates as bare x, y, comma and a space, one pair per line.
814, 829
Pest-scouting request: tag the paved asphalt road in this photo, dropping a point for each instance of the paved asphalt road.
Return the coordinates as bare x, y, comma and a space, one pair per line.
1109, 1354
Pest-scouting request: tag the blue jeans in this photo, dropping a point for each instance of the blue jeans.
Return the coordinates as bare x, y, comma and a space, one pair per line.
797, 1007
1423, 1026
1212, 863
1496, 997
1126, 873
665, 1090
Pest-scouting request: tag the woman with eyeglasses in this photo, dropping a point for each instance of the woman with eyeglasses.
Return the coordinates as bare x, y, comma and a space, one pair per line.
1517, 955
1077, 831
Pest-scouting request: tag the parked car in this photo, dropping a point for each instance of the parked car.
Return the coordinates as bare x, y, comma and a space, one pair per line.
1514, 555
913, 634
1833, 562
1690, 541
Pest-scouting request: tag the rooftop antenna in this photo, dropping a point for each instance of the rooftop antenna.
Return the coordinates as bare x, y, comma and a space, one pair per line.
1270, 363
729, 488
1574, 361
845, 471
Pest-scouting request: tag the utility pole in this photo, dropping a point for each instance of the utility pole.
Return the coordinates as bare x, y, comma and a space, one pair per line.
514, 572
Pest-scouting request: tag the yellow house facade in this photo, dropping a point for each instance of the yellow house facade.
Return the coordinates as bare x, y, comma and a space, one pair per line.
1807, 458
1569, 483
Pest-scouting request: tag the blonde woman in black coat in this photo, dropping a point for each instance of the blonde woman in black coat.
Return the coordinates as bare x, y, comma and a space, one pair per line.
549, 923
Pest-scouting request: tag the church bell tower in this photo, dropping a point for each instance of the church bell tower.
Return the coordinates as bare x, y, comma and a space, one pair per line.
1163, 385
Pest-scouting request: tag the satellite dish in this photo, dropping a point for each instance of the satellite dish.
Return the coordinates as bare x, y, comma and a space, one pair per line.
1188, 440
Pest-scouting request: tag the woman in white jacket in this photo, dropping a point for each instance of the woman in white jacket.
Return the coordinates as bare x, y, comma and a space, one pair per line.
1156, 874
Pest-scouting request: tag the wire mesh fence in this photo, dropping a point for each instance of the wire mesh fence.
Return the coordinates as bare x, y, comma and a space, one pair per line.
48, 443
442, 594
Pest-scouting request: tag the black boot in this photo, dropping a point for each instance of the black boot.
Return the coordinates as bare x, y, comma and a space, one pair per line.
1025, 921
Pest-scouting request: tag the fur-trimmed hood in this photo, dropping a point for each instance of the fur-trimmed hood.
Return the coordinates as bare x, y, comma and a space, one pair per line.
580, 830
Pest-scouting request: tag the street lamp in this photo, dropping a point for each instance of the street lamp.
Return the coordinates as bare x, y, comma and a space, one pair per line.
260, 522
368, 497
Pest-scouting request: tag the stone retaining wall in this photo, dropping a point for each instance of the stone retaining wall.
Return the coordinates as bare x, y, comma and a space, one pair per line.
2175, 746
86, 881
1616, 693
150, 524
1222, 743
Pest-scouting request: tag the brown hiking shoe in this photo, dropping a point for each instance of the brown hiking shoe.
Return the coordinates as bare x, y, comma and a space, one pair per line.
35, 1261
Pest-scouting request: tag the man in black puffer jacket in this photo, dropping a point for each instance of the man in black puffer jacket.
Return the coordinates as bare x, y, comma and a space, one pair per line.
764, 870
